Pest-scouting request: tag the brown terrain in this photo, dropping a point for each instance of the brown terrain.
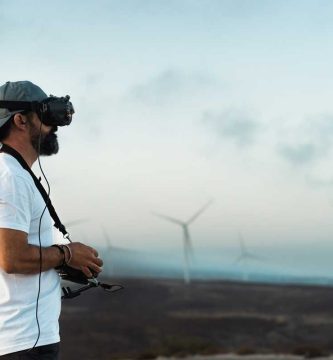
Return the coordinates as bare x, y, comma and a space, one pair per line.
151, 318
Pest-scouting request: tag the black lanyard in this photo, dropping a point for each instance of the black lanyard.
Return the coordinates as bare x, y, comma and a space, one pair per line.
57, 223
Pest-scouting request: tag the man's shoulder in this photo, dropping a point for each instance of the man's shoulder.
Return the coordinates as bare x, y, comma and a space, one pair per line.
11, 168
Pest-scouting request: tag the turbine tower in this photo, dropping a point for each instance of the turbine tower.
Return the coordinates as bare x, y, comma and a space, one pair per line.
187, 243
109, 248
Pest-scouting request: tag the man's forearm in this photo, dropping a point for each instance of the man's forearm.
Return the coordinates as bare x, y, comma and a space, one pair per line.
17, 256
29, 260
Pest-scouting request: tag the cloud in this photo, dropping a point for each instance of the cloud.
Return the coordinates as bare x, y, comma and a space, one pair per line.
298, 154
312, 141
172, 86
235, 125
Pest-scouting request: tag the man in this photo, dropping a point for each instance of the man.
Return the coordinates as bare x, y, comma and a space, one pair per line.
22, 225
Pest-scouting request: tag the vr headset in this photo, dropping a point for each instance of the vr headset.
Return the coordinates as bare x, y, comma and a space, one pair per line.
52, 111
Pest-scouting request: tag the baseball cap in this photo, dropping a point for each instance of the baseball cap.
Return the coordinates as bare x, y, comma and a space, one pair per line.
18, 91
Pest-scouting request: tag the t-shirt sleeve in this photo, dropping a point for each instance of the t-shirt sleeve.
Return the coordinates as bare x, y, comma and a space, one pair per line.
16, 199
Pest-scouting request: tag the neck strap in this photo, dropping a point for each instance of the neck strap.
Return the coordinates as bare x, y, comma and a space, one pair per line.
57, 223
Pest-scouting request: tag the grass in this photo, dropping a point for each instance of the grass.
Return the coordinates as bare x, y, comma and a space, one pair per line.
180, 347
310, 351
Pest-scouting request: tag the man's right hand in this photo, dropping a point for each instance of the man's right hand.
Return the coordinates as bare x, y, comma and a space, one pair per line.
85, 258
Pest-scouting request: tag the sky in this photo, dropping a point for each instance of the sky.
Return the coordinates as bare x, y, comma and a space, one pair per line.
179, 102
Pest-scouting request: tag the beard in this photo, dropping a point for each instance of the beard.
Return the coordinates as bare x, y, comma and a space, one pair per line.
45, 144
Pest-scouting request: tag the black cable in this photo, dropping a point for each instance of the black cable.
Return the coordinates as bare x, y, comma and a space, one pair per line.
39, 235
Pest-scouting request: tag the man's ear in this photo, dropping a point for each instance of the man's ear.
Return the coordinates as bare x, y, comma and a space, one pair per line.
20, 121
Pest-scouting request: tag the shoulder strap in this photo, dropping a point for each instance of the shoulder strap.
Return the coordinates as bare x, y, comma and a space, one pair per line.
57, 223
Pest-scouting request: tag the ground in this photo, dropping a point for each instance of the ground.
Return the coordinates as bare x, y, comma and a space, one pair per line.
151, 318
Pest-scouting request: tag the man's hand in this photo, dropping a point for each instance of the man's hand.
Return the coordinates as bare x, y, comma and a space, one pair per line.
85, 258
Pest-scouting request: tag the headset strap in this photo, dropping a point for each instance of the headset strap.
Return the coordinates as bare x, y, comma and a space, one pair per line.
19, 105
57, 223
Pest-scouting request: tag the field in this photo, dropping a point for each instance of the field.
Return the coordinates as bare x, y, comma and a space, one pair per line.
152, 318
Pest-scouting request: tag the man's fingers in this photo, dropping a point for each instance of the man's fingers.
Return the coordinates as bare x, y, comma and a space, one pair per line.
99, 262
86, 258
95, 268
87, 272
94, 251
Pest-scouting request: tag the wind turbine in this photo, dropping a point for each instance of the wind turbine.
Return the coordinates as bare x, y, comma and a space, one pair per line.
245, 255
188, 249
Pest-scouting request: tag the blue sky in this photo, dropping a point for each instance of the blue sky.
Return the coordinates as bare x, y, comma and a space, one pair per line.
181, 101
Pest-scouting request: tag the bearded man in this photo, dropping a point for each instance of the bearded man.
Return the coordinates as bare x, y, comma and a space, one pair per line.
28, 331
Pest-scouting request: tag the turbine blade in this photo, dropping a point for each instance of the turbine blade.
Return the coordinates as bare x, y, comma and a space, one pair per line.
198, 212
76, 222
168, 218
106, 237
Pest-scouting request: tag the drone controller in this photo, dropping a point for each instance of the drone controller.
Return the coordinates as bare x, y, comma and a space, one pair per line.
77, 276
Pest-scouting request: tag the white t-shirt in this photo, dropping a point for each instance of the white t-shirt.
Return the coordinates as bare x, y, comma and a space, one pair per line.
21, 206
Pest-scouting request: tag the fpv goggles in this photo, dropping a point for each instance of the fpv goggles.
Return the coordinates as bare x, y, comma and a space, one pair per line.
52, 111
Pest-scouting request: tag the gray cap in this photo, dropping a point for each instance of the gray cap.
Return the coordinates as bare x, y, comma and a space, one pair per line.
18, 91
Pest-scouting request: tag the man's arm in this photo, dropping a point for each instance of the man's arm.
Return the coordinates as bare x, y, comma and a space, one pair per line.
19, 257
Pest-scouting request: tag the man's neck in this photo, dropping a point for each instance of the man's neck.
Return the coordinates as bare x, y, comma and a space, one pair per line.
28, 153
